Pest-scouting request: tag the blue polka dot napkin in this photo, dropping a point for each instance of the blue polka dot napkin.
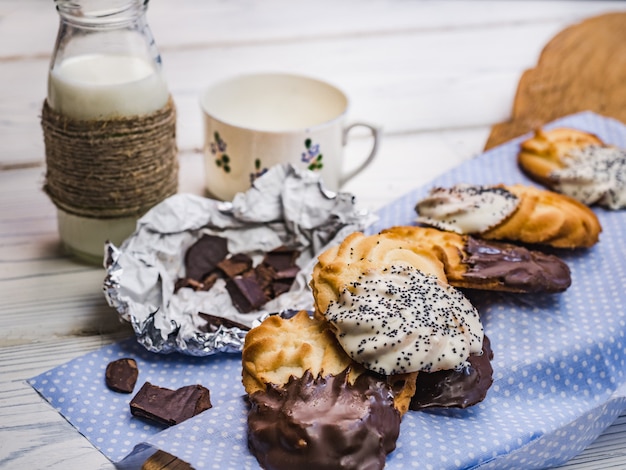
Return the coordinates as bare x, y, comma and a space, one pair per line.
559, 365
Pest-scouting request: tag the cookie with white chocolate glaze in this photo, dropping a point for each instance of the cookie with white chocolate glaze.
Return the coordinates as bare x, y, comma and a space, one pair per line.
488, 265
578, 164
343, 263
516, 213
390, 307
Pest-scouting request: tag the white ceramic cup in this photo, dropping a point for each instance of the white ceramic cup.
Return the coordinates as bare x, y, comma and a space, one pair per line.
253, 122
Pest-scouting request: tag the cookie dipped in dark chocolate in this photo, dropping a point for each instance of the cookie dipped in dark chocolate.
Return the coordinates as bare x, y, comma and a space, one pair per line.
516, 266
455, 389
323, 423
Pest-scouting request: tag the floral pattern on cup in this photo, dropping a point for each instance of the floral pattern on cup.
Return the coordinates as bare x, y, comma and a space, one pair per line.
259, 170
312, 155
218, 148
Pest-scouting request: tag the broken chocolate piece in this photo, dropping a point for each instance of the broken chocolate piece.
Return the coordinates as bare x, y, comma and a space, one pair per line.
214, 322
208, 281
170, 407
235, 264
265, 276
203, 256
203, 285
185, 282
280, 287
121, 375
246, 293
281, 258
287, 273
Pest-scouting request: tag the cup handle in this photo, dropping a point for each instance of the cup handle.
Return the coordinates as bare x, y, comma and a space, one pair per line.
375, 132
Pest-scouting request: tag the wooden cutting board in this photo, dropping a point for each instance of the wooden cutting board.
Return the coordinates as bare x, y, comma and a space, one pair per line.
583, 68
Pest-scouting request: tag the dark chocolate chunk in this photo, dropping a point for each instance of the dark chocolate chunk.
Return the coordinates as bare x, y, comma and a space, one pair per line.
203, 285
203, 256
184, 282
246, 293
214, 322
280, 287
121, 375
208, 281
170, 407
456, 389
265, 276
235, 264
287, 273
281, 258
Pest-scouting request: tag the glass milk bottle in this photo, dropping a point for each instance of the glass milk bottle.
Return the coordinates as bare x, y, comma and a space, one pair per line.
109, 124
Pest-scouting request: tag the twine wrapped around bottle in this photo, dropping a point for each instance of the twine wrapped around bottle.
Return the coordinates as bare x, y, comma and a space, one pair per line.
110, 168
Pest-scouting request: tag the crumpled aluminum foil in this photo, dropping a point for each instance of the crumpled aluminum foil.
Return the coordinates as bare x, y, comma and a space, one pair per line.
285, 206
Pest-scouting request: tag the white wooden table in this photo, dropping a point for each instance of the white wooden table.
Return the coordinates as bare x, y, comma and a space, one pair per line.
435, 75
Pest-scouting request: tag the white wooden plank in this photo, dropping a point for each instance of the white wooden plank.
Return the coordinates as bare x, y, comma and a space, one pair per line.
34, 435
609, 448
69, 303
200, 22
21, 362
287, 21
30, 429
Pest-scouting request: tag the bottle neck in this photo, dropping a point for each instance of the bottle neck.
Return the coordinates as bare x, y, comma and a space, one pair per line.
114, 27
101, 14
105, 61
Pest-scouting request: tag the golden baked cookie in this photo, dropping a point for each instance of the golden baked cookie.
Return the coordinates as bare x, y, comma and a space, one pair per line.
340, 265
543, 153
517, 213
449, 247
577, 164
279, 349
486, 265
548, 218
